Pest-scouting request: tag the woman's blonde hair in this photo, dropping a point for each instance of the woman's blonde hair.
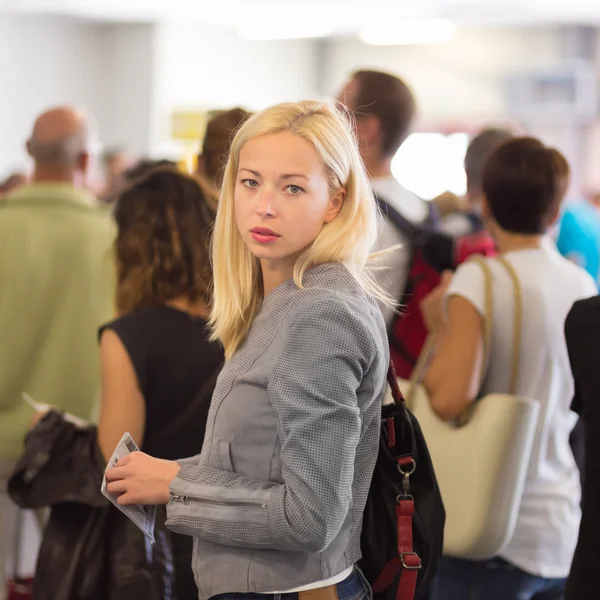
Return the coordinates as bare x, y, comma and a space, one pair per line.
348, 239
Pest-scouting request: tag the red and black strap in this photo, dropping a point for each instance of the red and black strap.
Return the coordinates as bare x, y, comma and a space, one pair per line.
408, 562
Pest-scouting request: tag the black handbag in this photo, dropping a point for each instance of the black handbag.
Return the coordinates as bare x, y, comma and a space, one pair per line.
90, 550
403, 524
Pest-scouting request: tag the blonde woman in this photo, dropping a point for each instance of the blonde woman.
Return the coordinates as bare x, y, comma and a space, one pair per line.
274, 502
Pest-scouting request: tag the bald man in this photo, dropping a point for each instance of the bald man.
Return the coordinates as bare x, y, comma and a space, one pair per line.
57, 288
60, 146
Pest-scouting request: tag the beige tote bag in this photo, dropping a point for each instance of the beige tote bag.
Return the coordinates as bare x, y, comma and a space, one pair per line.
481, 465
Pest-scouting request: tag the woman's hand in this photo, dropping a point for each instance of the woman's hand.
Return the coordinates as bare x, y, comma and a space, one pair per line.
141, 479
432, 306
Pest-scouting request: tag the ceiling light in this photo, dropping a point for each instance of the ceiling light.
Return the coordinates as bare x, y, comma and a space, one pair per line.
261, 32
408, 31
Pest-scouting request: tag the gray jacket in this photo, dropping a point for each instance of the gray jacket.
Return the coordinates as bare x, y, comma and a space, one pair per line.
275, 499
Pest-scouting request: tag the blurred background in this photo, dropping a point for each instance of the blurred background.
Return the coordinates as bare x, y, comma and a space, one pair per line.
149, 72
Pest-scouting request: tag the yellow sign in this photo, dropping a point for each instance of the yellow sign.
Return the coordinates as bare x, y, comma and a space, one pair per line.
188, 125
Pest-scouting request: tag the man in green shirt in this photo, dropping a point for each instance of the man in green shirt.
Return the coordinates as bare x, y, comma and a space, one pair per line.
56, 288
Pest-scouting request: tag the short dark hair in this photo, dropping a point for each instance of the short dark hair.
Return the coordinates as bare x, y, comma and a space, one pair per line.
388, 98
522, 183
480, 149
162, 248
144, 167
219, 133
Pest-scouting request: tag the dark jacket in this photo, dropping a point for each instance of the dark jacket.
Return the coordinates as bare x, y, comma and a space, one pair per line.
582, 330
90, 550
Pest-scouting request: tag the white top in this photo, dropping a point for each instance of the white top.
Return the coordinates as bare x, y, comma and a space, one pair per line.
392, 278
321, 584
548, 522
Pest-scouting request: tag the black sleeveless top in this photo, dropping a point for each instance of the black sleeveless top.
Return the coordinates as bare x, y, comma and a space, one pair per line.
177, 368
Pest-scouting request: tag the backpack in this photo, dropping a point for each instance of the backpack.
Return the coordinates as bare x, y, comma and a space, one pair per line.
403, 522
431, 253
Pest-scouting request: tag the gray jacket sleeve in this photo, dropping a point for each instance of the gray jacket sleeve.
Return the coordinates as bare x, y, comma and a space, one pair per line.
313, 387
190, 460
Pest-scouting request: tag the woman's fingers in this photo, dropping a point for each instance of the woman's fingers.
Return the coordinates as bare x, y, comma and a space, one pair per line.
124, 468
124, 492
117, 487
126, 499
125, 460
141, 479
118, 472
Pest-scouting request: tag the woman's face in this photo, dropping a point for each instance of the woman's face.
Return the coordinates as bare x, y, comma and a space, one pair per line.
282, 197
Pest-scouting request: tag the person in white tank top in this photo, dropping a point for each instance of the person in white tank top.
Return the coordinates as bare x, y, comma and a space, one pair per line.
523, 184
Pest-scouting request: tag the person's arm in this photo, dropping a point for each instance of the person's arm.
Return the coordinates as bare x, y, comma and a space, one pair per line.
327, 352
453, 378
122, 405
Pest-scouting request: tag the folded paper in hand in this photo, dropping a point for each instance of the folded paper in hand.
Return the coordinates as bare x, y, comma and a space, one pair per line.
143, 516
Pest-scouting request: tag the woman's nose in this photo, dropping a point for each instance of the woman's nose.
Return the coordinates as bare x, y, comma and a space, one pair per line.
266, 203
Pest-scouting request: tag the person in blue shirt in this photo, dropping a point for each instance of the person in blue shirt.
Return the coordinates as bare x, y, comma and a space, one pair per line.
579, 235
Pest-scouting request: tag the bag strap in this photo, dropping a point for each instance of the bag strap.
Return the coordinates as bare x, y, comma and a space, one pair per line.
488, 311
409, 559
401, 223
392, 380
518, 324
517, 319
408, 562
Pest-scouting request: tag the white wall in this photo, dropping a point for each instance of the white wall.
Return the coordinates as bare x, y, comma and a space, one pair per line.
43, 62
127, 72
463, 78
107, 69
203, 68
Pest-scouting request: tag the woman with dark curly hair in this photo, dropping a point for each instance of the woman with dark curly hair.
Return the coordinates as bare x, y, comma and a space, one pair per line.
158, 366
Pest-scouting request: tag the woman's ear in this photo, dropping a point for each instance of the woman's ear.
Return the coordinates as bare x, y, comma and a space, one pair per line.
335, 205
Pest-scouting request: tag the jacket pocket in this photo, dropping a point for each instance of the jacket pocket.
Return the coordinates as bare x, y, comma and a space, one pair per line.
276, 463
225, 456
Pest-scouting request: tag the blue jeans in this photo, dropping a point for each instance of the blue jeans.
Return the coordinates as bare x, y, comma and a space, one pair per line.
354, 587
493, 579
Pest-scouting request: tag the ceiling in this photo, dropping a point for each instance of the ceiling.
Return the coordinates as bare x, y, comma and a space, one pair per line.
337, 15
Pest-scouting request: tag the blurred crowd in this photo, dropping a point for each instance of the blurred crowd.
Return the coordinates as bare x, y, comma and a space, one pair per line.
105, 314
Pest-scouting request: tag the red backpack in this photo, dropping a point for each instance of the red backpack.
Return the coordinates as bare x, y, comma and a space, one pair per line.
432, 253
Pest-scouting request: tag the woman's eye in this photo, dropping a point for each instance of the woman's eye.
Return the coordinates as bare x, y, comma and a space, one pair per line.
295, 189
250, 183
